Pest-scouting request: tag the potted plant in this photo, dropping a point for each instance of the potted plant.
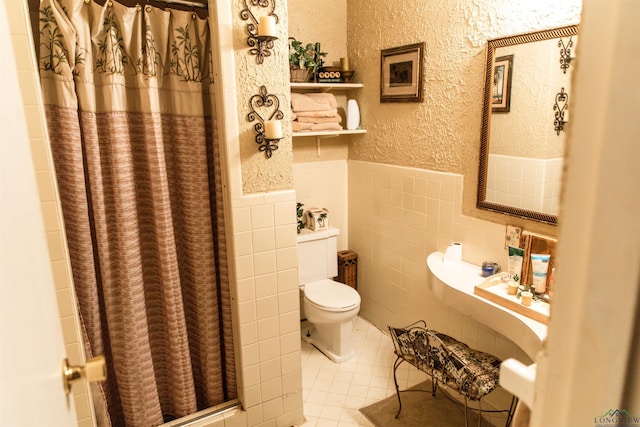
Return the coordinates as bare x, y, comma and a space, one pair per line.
299, 212
304, 60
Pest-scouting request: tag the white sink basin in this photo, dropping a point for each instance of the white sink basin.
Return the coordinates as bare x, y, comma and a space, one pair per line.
453, 284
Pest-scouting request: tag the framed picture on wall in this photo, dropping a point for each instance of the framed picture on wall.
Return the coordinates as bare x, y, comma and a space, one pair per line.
401, 71
501, 92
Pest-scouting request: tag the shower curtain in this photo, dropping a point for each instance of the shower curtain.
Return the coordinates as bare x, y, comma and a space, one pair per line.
135, 147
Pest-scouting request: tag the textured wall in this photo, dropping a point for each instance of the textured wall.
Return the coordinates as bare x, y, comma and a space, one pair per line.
258, 173
328, 26
443, 132
324, 22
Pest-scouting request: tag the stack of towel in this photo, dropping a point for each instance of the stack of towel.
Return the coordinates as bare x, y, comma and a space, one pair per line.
314, 112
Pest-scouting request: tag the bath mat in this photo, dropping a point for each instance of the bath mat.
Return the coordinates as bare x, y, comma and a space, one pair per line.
419, 408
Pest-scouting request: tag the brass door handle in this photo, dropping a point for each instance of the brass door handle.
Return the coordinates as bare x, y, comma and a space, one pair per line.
94, 370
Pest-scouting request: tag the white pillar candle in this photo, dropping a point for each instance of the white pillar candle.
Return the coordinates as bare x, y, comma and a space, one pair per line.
267, 26
273, 129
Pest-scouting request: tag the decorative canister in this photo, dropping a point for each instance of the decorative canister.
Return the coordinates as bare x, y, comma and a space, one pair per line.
353, 114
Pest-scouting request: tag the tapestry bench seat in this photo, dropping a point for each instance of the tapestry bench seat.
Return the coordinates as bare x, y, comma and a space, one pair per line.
470, 372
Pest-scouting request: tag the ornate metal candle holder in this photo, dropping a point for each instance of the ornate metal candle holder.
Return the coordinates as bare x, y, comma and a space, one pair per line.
565, 54
269, 105
260, 44
560, 108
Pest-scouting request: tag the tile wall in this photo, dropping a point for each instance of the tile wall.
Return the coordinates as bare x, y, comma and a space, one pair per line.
397, 217
268, 307
525, 183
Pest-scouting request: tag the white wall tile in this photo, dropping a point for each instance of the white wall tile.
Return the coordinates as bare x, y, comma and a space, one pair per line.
272, 389
285, 236
270, 370
264, 262
262, 216
289, 342
289, 322
267, 307
243, 243
263, 239
266, 285
272, 409
269, 349
285, 213
287, 258
244, 267
287, 279
247, 312
393, 231
246, 290
289, 301
268, 328
242, 219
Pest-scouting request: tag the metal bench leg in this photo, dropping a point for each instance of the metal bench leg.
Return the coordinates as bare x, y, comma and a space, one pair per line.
397, 363
466, 421
512, 409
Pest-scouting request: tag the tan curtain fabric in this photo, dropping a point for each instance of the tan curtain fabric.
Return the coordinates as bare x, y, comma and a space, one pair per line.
127, 95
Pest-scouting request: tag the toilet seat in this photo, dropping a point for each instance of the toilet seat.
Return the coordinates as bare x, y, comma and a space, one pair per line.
330, 295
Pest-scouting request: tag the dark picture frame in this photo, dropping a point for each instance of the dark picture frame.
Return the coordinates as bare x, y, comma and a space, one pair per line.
401, 71
501, 89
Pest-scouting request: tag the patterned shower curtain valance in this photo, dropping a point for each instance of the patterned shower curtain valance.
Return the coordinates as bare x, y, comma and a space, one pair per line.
133, 55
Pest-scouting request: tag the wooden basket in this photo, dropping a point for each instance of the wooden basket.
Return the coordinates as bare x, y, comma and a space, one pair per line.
300, 75
348, 268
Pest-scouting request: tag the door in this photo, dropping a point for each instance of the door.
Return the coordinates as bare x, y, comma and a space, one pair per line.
31, 349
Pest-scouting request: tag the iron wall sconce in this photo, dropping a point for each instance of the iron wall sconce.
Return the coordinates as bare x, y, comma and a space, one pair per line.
565, 54
561, 112
262, 31
268, 132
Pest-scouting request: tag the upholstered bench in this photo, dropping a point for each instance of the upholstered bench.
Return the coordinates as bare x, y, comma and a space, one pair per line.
472, 373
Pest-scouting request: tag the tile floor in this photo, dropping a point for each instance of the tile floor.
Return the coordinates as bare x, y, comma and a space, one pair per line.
334, 393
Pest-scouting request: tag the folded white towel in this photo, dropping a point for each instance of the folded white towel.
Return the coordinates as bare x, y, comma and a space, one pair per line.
298, 127
307, 127
324, 113
332, 119
312, 101
326, 126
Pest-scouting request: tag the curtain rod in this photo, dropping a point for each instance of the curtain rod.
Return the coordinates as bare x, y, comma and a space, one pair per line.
188, 3
184, 3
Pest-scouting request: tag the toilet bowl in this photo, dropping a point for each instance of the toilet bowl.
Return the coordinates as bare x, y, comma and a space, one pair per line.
331, 308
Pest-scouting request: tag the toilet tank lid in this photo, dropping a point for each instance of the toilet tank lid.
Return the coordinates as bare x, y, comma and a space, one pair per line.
308, 235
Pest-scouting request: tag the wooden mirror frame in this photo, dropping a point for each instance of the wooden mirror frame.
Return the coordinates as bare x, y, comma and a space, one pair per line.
492, 45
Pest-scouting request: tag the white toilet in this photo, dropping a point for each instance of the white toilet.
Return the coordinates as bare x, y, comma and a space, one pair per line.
329, 306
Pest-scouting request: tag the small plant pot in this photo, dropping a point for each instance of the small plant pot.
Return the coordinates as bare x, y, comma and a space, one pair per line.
512, 288
300, 75
526, 298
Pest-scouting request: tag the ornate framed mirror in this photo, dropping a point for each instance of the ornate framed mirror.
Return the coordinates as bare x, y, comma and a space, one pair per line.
526, 98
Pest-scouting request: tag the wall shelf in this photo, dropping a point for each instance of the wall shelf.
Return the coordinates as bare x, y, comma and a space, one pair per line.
329, 133
324, 87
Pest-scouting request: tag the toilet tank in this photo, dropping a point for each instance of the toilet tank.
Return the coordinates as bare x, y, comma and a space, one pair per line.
317, 255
